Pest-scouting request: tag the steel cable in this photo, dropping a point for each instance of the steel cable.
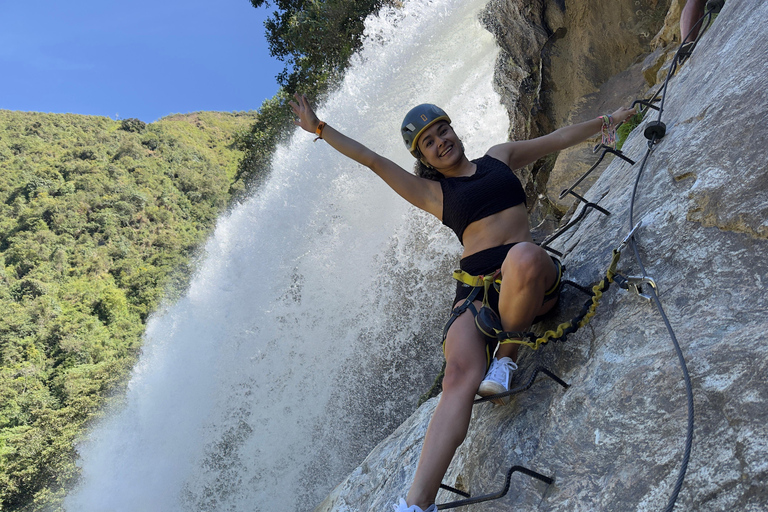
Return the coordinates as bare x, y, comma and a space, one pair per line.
681, 358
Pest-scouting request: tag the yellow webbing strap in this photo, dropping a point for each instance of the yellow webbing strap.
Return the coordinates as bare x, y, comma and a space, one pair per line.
475, 281
577, 322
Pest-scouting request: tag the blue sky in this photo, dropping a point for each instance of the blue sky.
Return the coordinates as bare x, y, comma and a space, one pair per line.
134, 58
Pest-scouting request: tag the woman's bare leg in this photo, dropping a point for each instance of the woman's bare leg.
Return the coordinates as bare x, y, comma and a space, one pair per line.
692, 12
464, 369
527, 273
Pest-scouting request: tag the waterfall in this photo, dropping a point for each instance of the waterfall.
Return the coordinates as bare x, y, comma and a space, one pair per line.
313, 322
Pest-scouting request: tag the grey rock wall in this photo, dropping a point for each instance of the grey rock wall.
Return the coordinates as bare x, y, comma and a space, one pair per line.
614, 440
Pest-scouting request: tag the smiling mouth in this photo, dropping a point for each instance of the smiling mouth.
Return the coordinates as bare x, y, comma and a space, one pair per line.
446, 151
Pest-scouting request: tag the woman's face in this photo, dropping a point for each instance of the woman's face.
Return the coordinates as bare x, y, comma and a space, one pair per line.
439, 145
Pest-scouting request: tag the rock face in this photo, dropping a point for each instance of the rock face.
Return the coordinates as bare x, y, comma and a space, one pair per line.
562, 62
614, 440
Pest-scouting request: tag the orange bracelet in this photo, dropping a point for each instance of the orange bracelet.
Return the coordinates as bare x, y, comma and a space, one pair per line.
319, 130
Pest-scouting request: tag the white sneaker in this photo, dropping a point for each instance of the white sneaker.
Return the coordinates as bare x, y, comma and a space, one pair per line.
403, 507
497, 379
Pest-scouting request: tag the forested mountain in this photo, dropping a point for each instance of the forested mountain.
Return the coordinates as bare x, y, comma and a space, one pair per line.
99, 219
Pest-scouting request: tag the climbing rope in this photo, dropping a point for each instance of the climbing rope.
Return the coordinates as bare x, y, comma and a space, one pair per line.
588, 310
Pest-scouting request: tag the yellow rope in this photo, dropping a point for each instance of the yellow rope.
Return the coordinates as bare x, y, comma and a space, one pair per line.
597, 292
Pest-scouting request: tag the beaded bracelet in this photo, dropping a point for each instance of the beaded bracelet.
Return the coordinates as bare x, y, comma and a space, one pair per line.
608, 131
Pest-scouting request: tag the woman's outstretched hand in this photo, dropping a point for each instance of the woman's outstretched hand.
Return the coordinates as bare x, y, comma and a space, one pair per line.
622, 114
307, 119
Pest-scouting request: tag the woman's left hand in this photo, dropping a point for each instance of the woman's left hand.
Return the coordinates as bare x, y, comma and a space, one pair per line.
306, 116
622, 115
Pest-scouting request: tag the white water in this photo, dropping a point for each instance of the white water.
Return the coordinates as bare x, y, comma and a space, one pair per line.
313, 323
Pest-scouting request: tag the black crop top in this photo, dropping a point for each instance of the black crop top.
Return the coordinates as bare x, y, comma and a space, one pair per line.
493, 188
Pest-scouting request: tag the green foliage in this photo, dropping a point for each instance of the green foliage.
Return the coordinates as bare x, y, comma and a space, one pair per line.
258, 143
625, 129
315, 37
99, 220
133, 125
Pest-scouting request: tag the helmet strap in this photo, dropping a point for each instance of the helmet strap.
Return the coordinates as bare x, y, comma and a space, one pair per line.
420, 158
427, 165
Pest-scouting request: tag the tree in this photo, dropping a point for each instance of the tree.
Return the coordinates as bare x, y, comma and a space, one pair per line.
315, 38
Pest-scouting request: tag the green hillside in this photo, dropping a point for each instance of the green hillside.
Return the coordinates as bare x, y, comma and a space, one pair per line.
99, 220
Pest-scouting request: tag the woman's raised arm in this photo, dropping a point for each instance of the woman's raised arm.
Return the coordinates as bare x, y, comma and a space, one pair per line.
518, 154
422, 193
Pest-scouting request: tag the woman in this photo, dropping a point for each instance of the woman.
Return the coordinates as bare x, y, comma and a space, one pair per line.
484, 203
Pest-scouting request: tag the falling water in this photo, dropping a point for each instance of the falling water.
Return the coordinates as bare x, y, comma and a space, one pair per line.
312, 324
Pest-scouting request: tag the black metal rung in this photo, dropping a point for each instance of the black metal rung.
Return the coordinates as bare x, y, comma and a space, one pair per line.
455, 491
582, 289
647, 103
526, 386
587, 206
553, 251
619, 153
494, 496
606, 150
592, 205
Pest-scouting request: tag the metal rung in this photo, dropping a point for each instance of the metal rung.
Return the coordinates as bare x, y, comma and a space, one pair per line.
606, 150
573, 222
525, 386
493, 496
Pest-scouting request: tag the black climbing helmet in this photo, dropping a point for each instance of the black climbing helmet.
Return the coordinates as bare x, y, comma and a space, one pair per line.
417, 120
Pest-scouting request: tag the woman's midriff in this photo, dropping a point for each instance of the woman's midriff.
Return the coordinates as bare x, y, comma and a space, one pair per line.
504, 227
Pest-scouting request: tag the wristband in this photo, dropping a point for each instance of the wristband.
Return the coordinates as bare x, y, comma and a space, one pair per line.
319, 130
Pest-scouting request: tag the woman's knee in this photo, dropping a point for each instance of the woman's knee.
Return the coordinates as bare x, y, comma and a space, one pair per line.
465, 357
525, 261
461, 375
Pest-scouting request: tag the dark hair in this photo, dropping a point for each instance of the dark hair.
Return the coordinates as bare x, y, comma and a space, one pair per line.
421, 170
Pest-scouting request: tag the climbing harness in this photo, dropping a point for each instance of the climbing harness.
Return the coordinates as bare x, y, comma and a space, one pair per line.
487, 321
489, 324
644, 285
